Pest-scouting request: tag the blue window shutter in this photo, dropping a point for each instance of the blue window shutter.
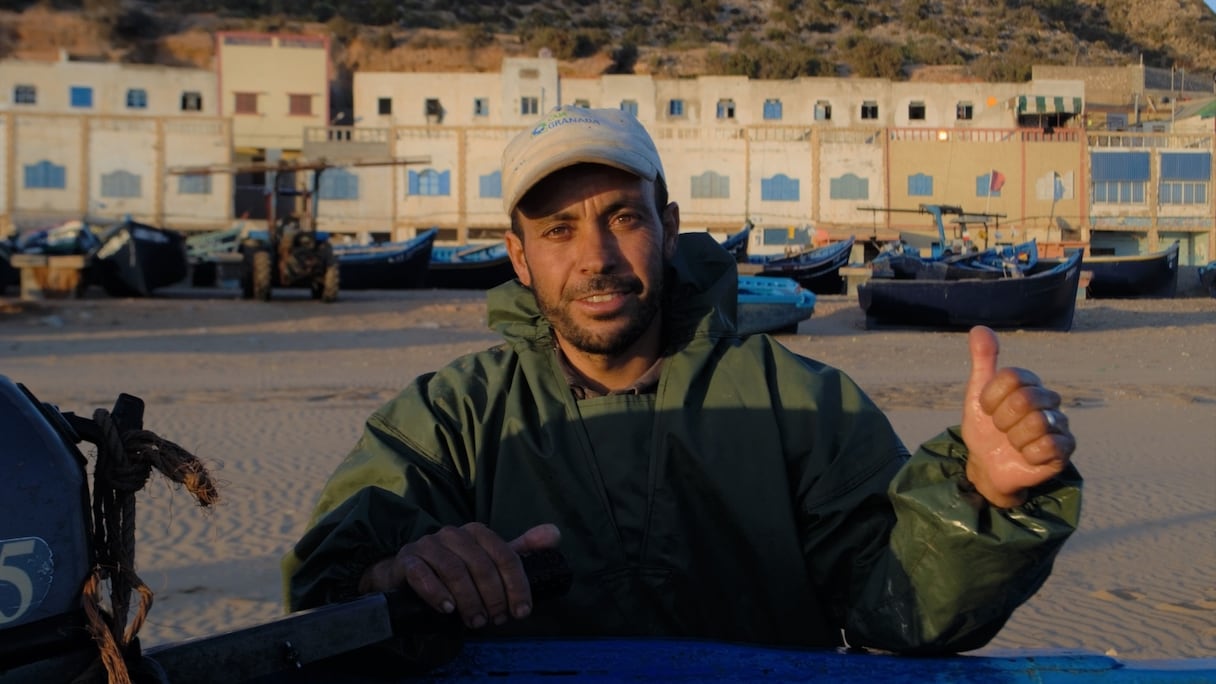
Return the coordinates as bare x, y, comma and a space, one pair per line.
1120, 166
920, 185
779, 188
1186, 166
413, 183
490, 185
445, 179
45, 175
81, 96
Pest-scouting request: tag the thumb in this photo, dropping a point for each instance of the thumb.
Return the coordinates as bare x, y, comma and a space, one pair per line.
544, 536
984, 349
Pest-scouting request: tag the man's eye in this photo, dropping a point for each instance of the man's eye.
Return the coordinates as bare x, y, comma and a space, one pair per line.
557, 231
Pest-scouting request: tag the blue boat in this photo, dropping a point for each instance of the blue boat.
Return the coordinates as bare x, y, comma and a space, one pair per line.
771, 305
386, 266
1207, 277
469, 267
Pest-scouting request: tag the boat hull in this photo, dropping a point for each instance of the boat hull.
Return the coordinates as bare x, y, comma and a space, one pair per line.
465, 268
134, 259
1207, 278
392, 266
817, 270
1045, 298
771, 305
1153, 275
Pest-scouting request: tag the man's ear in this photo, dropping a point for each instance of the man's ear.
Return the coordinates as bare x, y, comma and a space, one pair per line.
515, 249
671, 229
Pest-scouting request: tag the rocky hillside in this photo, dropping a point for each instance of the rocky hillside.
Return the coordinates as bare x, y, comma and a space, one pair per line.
902, 39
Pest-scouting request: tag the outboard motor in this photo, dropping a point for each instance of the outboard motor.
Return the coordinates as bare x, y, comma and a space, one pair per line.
45, 553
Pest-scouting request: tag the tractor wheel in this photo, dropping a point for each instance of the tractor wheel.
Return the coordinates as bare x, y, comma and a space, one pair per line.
260, 276
329, 287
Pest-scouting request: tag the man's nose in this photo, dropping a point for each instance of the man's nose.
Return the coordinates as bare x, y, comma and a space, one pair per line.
599, 251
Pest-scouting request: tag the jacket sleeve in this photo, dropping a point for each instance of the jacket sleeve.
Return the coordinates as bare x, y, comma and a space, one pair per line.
955, 567
385, 494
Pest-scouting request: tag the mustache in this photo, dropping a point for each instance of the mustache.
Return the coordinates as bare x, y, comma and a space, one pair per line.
607, 283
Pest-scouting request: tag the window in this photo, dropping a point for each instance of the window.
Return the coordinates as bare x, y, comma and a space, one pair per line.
849, 187
585, 104
630, 107
338, 184
433, 110
772, 110
869, 110
710, 185
1185, 177
81, 97
529, 106
675, 108
192, 101
120, 184
481, 106
246, 103
490, 185
920, 185
916, 111
430, 182
1119, 177
194, 184
779, 188
298, 105
964, 111
726, 109
45, 175
384, 106
823, 110
529, 74
137, 98
25, 94
1182, 192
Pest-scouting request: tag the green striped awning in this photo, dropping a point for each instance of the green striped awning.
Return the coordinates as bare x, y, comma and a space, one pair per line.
1047, 104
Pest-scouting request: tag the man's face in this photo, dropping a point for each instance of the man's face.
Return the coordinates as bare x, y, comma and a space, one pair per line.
593, 250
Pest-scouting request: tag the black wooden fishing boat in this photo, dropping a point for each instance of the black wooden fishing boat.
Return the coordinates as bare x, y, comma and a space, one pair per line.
818, 270
469, 267
1044, 296
399, 265
1132, 277
134, 259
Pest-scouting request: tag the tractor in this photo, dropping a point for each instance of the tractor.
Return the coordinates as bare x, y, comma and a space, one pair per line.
291, 252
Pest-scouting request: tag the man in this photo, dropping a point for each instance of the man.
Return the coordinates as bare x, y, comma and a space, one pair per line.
700, 484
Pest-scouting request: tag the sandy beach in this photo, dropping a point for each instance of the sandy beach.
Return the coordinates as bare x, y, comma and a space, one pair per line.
271, 396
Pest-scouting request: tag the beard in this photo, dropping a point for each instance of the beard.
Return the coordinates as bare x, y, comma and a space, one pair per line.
638, 316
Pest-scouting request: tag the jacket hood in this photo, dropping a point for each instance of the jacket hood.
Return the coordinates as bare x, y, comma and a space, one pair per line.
700, 299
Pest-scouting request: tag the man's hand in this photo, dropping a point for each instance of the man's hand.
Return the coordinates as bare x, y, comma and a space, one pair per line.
467, 569
1016, 435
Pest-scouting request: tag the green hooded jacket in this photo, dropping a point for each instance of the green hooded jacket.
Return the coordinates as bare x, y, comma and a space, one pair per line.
756, 496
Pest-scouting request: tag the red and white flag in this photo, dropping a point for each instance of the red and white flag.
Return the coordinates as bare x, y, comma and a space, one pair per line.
997, 181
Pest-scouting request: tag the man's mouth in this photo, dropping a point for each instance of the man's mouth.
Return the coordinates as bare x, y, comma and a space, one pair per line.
600, 298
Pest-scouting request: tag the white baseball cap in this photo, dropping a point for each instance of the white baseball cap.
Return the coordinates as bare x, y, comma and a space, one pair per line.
571, 135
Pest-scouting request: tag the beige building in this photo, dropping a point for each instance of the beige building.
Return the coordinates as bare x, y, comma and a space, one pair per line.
69, 86
272, 86
91, 139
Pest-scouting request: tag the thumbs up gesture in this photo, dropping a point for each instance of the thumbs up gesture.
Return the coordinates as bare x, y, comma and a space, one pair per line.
1016, 435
